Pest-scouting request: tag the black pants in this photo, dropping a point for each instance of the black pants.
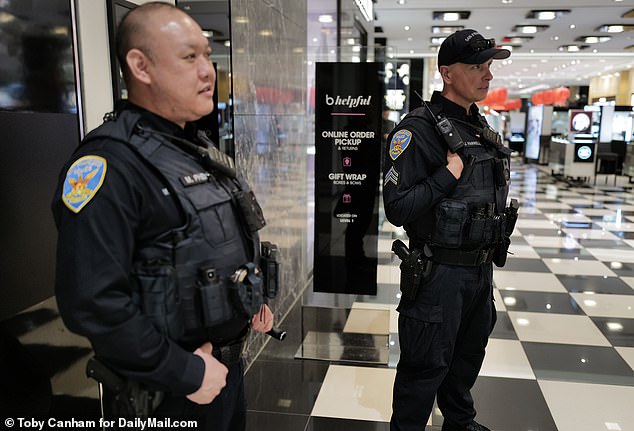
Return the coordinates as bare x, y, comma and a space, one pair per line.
443, 334
227, 412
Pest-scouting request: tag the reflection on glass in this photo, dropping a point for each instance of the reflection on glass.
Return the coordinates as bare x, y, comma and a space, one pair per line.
37, 71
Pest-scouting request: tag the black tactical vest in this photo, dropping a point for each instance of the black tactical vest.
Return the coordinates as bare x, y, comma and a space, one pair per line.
473, 216
184, 278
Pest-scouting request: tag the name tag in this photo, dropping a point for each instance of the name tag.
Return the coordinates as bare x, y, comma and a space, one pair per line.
194, 179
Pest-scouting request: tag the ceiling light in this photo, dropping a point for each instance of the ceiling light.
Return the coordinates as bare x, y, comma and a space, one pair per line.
547, 15
572, 48
516, 40
593, 39
446, 29
407, 27
450, 15
437, 40
615, 28
325, 19
401, 2
529, 29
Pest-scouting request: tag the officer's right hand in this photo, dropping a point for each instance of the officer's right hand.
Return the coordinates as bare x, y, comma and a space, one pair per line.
454, 164
214, 379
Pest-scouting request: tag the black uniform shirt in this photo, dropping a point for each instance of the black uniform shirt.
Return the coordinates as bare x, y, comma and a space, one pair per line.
95, 252
416, 177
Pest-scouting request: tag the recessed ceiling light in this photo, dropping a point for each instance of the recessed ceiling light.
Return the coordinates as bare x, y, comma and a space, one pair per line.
325, 19
450, 15
547, 15
437, 40
572, 48
515, 40
615, 28
407, 27
446, 29
529, 29
401, 2
593, 39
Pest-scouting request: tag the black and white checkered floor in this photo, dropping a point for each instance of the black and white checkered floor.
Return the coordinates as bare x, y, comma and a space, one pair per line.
561, 357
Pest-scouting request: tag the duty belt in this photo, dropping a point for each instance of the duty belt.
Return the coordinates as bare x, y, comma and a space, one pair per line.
449, 256
229, 354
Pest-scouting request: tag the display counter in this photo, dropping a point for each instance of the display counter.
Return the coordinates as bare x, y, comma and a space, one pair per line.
572, 158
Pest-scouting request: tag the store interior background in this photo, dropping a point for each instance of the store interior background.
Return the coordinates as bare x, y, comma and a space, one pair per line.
266, 78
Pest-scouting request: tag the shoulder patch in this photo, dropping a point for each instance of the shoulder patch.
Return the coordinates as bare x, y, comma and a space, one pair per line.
83, 179
400, 141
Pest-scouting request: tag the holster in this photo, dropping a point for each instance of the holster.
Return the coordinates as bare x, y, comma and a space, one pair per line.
501, 252
122, 398
415, 266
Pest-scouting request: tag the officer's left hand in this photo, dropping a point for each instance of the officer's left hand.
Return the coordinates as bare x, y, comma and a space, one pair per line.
263, 320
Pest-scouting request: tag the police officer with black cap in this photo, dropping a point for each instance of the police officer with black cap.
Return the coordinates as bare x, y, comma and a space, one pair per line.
446, 181
158, 251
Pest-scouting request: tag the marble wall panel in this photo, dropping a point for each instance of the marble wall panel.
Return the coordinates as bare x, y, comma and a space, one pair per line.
270, 116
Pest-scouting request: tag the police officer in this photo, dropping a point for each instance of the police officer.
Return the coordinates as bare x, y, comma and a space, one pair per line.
157, 250
446, 181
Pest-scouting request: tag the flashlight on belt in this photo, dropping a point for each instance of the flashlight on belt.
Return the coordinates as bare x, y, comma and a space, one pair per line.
277, 333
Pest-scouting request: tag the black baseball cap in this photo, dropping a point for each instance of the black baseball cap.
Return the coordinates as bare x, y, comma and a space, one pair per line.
470, 47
